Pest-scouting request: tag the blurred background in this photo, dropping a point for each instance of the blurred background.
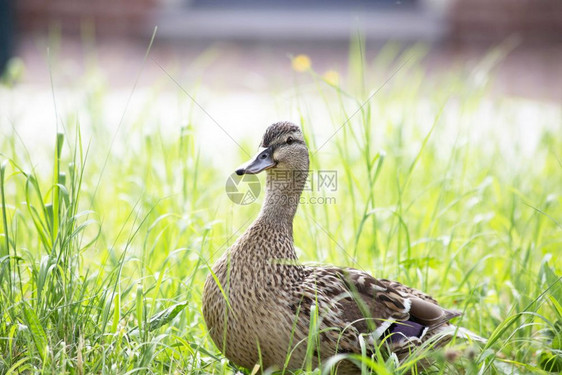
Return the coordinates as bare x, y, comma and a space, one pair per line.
251, 39
235, 55
126, 118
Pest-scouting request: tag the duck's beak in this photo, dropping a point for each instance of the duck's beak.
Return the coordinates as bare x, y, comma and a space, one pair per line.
262, 161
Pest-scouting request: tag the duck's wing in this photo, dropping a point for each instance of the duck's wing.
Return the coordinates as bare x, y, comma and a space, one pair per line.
400, 305
382, 310
363, 308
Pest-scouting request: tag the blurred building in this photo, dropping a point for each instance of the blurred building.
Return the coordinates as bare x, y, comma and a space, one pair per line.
109, 17
458, 30
430, 20
483, 20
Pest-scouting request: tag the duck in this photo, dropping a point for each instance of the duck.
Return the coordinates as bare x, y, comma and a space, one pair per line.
266, 310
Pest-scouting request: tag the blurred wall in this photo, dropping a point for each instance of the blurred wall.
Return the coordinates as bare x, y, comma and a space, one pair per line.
468, 20
109, 17
495, 20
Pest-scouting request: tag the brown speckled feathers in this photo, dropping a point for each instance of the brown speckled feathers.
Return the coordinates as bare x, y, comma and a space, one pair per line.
259, 302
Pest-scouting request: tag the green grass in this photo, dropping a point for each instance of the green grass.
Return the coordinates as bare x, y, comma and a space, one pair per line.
105, 244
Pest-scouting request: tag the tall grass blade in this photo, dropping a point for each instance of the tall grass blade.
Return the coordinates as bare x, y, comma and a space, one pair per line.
36, 329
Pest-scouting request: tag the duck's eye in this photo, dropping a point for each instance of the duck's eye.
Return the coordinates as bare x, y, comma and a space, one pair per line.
289, 140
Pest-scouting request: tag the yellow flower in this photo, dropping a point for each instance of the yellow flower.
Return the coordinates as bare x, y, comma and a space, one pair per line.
332, 77
301, 63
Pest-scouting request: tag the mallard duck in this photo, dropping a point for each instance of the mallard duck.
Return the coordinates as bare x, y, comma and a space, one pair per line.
258, 301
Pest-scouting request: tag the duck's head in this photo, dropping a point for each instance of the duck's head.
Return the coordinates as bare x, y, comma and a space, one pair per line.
282, 147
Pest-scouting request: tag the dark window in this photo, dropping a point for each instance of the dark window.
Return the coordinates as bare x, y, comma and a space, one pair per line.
296, 4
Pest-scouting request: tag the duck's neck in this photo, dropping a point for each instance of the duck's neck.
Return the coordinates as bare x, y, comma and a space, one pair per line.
282, 196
